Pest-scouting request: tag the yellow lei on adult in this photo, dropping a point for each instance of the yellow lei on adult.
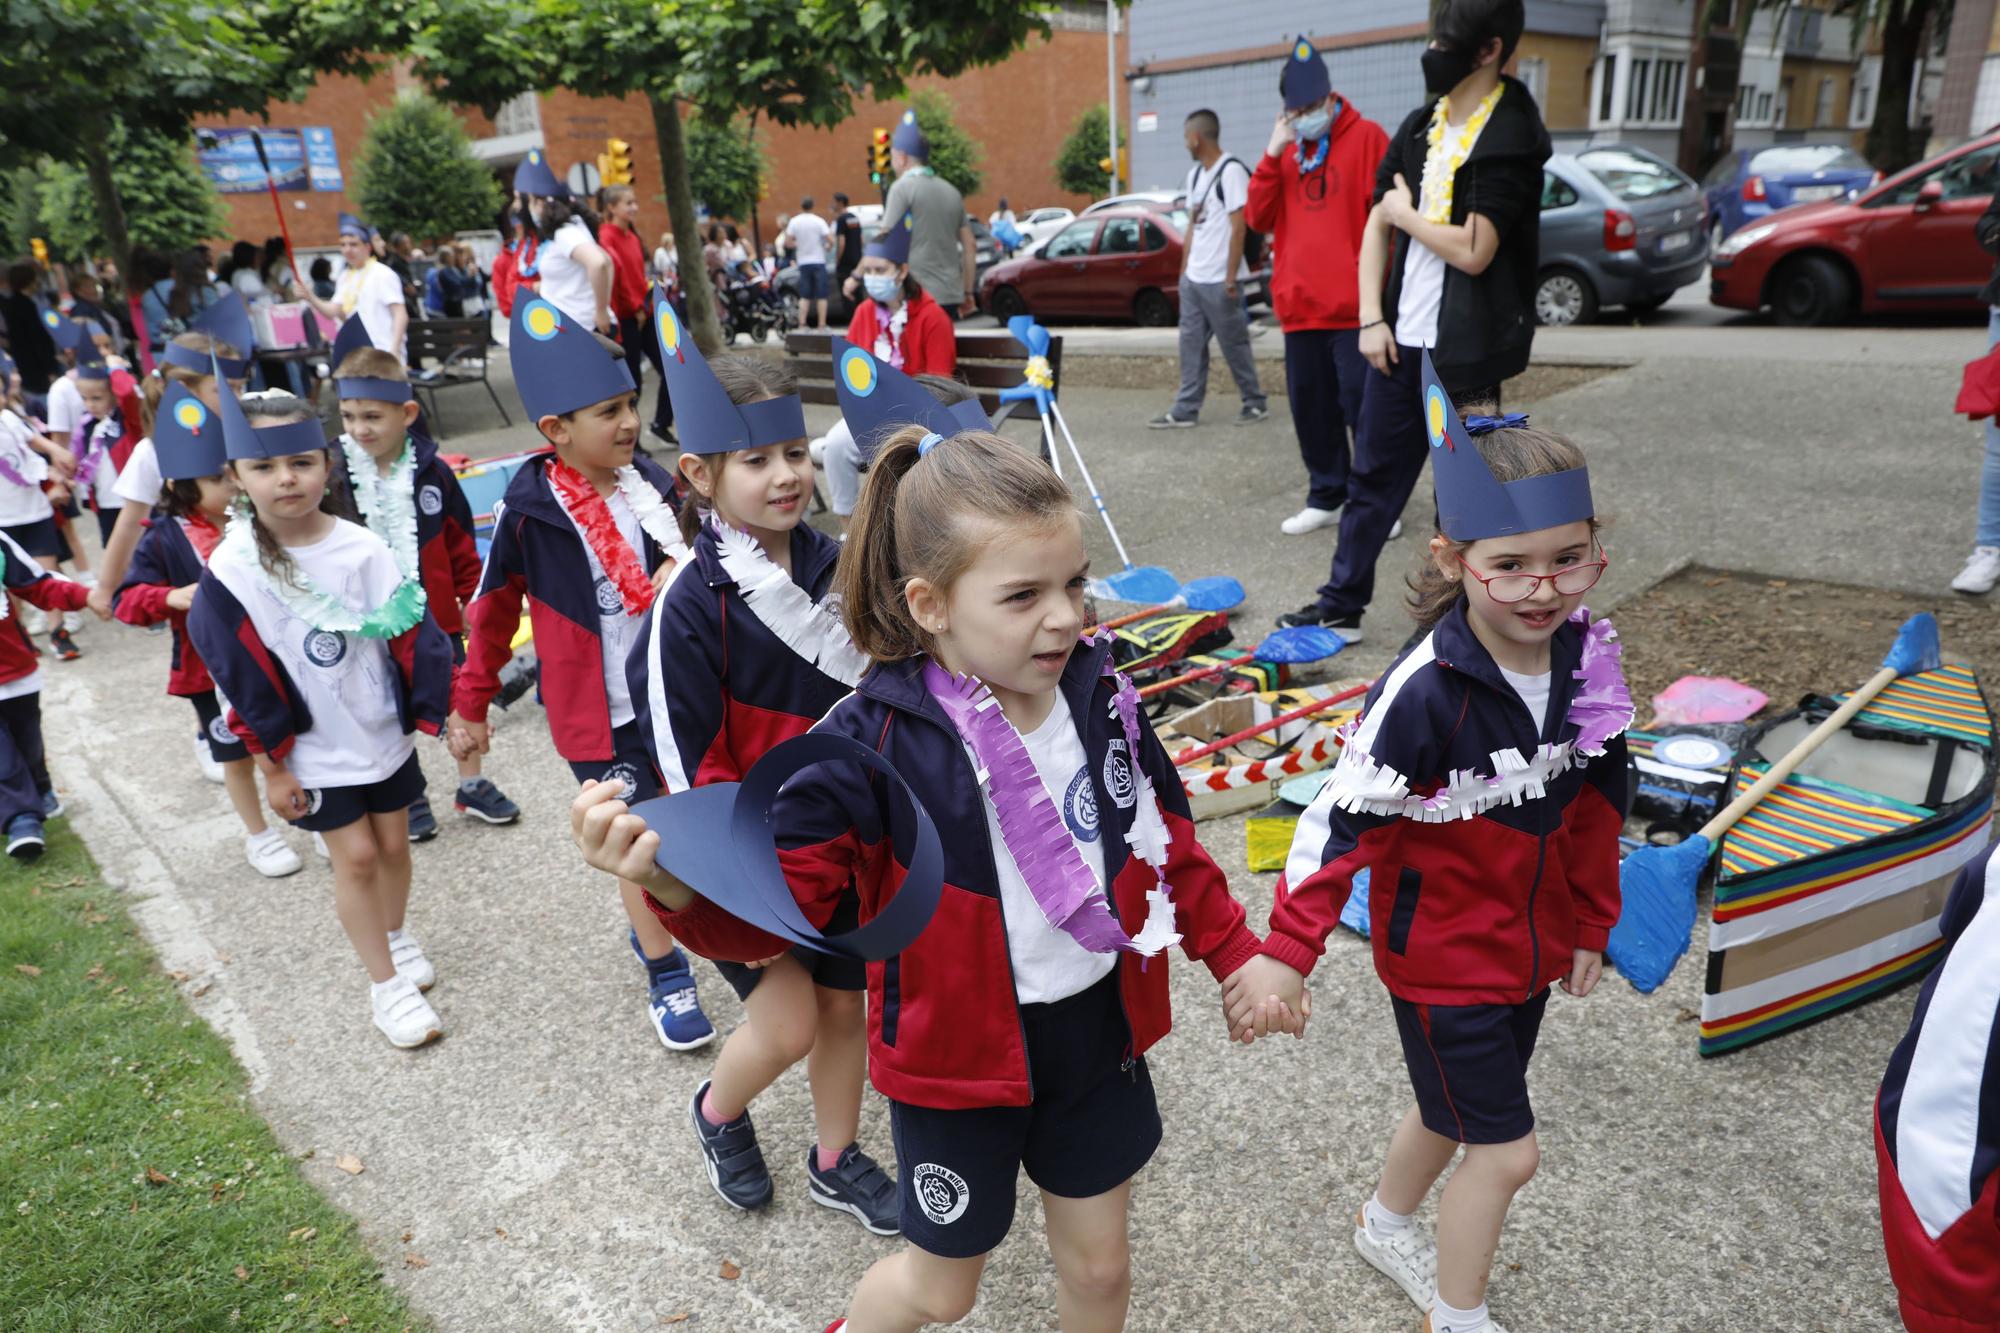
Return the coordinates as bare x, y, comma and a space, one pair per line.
1441, 164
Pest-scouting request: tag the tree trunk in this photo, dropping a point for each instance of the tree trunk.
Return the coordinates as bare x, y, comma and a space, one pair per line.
1889, 145
696, 292
111, 215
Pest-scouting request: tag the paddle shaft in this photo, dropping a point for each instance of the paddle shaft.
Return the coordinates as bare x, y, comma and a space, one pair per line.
1083, 469
1204, 751
1119, 622
1162, 686
1798, 754
284, 230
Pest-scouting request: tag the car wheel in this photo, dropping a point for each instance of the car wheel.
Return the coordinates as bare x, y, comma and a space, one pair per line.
1005, 303
1152, 308
1564, 296
1811, 290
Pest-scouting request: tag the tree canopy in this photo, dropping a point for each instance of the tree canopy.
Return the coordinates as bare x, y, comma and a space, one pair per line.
416, 171
1077, 168
955, 155
169, 200
726, 166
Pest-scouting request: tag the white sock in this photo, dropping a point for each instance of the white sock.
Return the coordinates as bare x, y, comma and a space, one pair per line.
1450, 1319
1382, 1223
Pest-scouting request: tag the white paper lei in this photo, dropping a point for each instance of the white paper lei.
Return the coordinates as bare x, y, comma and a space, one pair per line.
810, 629
307, 600
388, 504
889, 334
650, 508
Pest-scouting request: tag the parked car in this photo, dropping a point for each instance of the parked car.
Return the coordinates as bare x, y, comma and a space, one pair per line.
985, 250
1159, 200
1620, 227
1750, 184
1038, 224
1114, 264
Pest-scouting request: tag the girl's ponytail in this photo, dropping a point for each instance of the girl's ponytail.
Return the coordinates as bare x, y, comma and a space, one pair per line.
869, 579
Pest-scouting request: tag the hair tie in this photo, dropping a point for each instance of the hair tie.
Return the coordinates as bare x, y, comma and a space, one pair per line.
1477, 425
928, 443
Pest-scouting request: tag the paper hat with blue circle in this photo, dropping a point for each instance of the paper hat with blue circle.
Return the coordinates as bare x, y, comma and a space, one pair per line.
90, 363
892, 242
908, 136
187, 436
535, 176
559, 366
878, 400
704, 417
1474, 505
351, 225
227, 320
241, 440
738, 870
68, 334
1304, 82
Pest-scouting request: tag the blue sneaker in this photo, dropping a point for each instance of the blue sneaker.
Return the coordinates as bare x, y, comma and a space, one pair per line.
673, 1002
423, 824
24, 837
735, 1163
859, 1186
51, 804
482, 800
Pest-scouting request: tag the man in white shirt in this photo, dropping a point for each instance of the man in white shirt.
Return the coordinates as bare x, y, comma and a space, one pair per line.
1211, 271
367, 287
806, 236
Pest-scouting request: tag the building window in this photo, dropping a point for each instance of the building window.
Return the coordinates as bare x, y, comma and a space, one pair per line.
1764, 111
1607, 81
519, 115
1666, 105
1533, 71
1635, 89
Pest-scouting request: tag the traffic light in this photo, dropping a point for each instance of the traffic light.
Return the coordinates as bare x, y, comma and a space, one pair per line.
39, 248
1124, 167
614, 164
878, 158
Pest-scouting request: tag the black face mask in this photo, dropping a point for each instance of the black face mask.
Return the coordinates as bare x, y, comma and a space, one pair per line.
1445, 70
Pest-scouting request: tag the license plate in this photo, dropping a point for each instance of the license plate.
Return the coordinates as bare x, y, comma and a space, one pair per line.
1808, 194
1676, 240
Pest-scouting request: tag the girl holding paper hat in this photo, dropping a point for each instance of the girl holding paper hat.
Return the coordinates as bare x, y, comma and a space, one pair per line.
1486, 777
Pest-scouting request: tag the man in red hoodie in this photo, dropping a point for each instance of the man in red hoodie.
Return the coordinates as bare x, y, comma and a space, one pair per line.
1311, 194
619, 238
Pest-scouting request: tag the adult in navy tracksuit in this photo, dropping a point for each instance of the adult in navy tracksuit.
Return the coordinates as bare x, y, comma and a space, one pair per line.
1937, 1126
27, 797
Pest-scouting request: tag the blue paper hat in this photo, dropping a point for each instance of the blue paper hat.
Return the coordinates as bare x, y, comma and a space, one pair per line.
68, 334
90, 362
893, 241
241, 440
705, 418
227, 320
353, 226
559, 366
909, 136
187, 436
1303, 82
534, 176
719, 840
877, 399
1472, 505
352, 336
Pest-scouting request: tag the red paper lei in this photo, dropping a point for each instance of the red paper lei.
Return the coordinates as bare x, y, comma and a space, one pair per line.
614, 554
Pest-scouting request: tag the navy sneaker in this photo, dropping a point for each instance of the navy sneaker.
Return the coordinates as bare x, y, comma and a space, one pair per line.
735, 1164
24, 837
673, 1002
482, 800
423, 824
856, 1185
51, 804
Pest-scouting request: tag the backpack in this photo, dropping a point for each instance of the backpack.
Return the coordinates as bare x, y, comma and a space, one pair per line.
1254, 241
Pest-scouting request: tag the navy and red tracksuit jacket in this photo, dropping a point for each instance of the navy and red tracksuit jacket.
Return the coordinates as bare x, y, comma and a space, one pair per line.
944, 1028
447, 554
1937, 1126
1315, 223
31, 583
537, 553
1479, 901
165, 560
713, 688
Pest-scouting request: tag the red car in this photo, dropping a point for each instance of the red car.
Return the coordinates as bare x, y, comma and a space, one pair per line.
1116, 264
1906, 244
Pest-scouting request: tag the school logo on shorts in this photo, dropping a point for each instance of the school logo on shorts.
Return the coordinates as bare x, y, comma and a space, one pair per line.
315, 798
325, 647
1080, 807
1118, 777
431, 500
627, 778
941, 1192
219, 732
608, 600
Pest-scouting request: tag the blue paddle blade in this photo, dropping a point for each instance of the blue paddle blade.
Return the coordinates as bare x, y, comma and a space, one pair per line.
1029, 334
1216, 593
1299, 643
1657, 885
1148, 585
1916, 647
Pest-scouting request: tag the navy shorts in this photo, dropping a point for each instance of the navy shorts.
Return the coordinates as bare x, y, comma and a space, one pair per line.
1469, 1066
223, 745
825, 969
1093, 1124
813, 282
330, 808
41, 537
630, 764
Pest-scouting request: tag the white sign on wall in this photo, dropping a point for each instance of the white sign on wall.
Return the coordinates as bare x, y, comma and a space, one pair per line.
1148, 121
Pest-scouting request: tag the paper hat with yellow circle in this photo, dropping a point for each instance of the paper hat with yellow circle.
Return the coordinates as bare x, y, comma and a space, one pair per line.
1472, 504
878, 400
704, 417
1303, 82
187, 436
909, 136
534, 176
559, 366
893, 241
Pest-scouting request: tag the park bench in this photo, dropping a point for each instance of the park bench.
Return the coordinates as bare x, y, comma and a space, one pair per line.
445, 353
989, 362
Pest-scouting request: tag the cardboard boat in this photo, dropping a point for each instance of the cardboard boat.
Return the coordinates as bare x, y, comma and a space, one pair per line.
1247, 776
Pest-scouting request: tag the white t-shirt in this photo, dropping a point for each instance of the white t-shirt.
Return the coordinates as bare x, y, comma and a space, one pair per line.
65, 407
1534, 692
809, 232
251, 284
1048, 964
139, 480
617, 630
1213, 193
666, 263
1423, 271
21, 504
369, 291
565, 284
348, 682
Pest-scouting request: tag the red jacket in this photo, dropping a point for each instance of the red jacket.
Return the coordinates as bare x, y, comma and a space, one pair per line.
930, 341
168, 557
628, 269
944, 1028
507, 273
36, 586
1316, 224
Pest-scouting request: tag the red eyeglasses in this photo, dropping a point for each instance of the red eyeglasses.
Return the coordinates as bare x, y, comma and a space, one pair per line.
1506, 589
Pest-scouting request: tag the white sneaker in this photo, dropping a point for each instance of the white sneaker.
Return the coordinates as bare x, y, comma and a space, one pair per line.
1410, 1257
319, 845
36, 621
1486, 1325
209, 768
269, 854
1310, 519
1981, 572
408, 956
404, 1015
72, 621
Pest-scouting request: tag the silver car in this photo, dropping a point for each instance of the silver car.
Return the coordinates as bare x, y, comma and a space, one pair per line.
1620, 227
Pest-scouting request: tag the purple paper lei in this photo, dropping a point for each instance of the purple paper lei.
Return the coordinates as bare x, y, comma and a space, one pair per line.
1602, 706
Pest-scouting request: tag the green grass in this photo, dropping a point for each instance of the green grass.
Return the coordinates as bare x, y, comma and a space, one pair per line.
138, 1188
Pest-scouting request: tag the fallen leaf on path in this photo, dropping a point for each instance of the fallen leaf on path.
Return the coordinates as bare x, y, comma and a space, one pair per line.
730, 1272
305, 1233
178, 975
341, 1322
201, 990
242, 1273
349, 1163
28, 969
120, 990
407, 1237
501, 1232
680, 1318
96, 971
155, 1176
415, 1261
224, 958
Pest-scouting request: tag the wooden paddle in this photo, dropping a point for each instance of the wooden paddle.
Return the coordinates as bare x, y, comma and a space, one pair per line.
1186, 757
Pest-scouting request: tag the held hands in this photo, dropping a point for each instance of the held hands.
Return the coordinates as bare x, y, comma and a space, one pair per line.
181, 598
284, 794
100, 601
1265, 996
1586, 967
467, 738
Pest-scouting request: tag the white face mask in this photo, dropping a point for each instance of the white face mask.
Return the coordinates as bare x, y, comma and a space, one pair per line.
883, 287
1312, 125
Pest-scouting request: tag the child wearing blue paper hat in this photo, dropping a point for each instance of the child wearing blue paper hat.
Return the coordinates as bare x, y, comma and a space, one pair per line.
330, 662
27, 796
159, 588
1485, 782
588, 534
